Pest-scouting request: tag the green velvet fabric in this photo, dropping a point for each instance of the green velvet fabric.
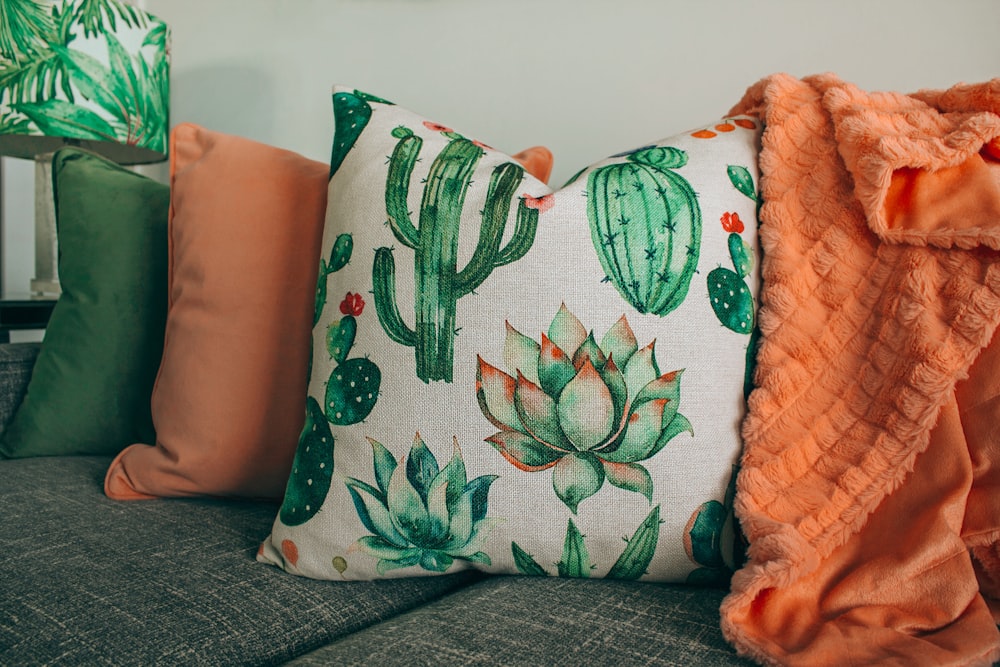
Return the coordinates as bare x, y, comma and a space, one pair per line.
91, 385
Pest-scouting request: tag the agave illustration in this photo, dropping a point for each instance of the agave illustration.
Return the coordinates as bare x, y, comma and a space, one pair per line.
575, 561
420, 514
590, 412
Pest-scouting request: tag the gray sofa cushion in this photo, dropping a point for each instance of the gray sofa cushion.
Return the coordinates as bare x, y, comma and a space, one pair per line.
16, 363
536, 621
86, 580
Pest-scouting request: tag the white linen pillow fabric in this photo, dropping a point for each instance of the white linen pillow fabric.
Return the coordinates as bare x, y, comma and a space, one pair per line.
523, 380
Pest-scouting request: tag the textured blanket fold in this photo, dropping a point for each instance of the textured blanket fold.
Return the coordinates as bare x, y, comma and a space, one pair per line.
870, 486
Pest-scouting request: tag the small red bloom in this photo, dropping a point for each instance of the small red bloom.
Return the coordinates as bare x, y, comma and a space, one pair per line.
436, 127
731, 222
352, 304
542, 203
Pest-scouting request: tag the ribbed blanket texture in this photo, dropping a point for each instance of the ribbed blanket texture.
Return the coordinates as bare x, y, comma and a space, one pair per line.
870, 482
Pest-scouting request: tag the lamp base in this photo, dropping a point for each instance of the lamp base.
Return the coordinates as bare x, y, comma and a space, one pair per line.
45, 289
46, 280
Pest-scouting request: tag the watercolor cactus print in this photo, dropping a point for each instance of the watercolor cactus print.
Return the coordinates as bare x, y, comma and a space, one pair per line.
575, 561
419, 514
645, 224
589, 412
704, 537
312, 469
439, 283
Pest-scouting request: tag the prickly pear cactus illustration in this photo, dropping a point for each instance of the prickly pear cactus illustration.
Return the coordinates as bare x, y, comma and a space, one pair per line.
591, 413
645, 224
340, 255
575, 561
312, 469
728, 291
351, 113
422, 514
352, 390
703, 540
434, 240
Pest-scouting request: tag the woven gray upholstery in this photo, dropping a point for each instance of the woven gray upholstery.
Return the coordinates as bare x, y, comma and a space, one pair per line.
535, 621
16, 362
89, 581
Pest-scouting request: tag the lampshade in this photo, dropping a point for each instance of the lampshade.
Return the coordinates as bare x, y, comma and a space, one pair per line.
91, 73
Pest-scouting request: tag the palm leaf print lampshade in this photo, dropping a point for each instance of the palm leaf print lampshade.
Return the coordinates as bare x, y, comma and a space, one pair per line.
91, 73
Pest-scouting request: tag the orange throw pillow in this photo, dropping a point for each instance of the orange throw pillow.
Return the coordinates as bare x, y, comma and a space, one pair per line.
244, 240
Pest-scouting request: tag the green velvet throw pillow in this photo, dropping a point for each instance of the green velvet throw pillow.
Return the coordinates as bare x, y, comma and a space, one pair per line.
91, 385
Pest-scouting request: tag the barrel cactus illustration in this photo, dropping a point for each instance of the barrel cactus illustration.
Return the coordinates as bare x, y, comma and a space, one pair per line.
645, 223
420, 514
312, 469
575, 561
588, 412
434, 240
352, 390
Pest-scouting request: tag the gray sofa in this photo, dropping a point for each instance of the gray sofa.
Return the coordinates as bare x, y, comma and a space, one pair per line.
85, 580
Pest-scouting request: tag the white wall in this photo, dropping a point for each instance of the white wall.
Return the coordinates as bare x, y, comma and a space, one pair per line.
586, 78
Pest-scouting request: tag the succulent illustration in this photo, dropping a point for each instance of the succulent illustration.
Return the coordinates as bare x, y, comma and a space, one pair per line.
645, 224
703, 540
575, 561
589, 412
312, 469
434, 240
353, 386
420, 514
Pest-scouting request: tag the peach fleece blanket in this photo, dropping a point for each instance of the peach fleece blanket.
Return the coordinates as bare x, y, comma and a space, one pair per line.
870, 487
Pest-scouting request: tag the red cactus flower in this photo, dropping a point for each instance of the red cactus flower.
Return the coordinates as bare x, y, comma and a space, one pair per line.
352, 304
731, 222
542, 203
482, 145
436, 127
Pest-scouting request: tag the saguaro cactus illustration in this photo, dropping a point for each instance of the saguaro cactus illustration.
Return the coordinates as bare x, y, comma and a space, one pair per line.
645, 223
434, 240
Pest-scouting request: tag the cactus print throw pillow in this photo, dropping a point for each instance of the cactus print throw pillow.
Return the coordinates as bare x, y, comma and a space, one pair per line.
520, 380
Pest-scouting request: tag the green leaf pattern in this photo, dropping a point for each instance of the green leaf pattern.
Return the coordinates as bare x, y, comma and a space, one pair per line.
52, 85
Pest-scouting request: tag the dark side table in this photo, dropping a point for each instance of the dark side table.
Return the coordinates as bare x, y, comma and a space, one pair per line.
22, 312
